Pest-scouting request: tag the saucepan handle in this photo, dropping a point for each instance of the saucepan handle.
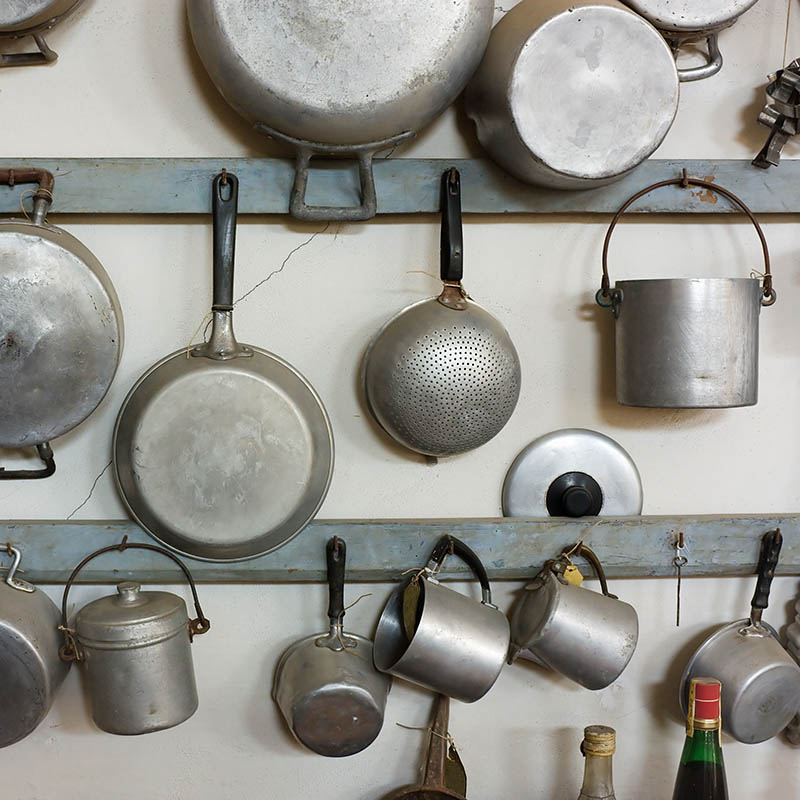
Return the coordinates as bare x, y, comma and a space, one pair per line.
611, 298
42, 197
712, 66
452, 239
450, 545
200, 625
768, 561
336, 552
224, 204
44, 56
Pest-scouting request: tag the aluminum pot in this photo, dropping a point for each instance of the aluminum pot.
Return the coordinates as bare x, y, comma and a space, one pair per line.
687, 343
761, 680
30, 669
34, 18
438, 638
339, 77
587, 637
573, 96
326, 685
61, 329
135, 648
686, 21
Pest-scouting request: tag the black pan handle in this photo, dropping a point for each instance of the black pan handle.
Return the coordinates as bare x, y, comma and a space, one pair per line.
449, 544
770, 550
224, 204
452, 247
336, 552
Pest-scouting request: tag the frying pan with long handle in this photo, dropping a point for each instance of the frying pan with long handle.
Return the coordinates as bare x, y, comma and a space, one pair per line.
226, 452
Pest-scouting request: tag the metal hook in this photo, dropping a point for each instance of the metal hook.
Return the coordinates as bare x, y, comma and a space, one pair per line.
11, 579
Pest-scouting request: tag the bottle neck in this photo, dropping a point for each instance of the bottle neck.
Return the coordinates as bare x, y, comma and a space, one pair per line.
597, 779
703, 744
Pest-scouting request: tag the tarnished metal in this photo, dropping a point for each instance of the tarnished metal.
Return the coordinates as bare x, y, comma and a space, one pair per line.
781, 114
326, 686
455, 645
687, 342
20, 18
572, 96
225, 454
531, 487
588, 637
135, 649
61, 327
30, 669
443, 376
687, 21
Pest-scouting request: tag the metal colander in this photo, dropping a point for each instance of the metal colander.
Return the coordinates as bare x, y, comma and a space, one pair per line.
443, 376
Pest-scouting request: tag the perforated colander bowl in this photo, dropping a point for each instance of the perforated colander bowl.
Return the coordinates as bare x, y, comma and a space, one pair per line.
442, 380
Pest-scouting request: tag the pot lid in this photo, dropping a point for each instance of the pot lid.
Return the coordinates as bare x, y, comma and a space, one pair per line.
572, 472
690, 15
131, 614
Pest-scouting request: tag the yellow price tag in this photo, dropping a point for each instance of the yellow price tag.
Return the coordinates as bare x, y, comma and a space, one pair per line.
572, 575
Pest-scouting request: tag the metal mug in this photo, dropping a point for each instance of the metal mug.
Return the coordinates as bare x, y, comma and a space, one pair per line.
135, 648
587, 637
439, 638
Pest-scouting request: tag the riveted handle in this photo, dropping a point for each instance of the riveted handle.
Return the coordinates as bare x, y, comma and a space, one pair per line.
198, 626
448, 545
336, 552
452, 238
610, 298
712, 66
768, 561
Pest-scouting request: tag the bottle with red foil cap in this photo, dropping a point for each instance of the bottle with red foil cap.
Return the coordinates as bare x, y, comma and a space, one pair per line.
701, 774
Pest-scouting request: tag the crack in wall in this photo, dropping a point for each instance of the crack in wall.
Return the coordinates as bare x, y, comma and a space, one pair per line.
91, 492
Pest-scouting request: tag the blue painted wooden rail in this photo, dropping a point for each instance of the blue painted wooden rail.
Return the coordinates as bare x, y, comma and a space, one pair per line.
403, 185
382, 549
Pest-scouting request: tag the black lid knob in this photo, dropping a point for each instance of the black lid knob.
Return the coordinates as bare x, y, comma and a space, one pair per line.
574, 494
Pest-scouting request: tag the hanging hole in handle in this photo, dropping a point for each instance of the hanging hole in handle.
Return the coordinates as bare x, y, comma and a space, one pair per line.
712, 66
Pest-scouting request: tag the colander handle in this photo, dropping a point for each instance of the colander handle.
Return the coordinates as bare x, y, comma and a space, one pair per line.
610, 298
448, 545
452, 240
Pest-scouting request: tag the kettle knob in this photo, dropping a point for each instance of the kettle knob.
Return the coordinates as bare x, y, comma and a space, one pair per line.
574, 494
128, 591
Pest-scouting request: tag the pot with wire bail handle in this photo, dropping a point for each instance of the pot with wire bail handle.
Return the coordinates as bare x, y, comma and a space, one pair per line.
326, 686
438, 638
135, 647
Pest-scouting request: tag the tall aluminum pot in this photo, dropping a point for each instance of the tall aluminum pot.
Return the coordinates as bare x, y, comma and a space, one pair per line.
687, 343
573, 96
439, 638
588, 637
30, 669
135, 648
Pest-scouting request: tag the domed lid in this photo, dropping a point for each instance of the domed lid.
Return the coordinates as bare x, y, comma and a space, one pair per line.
131, 615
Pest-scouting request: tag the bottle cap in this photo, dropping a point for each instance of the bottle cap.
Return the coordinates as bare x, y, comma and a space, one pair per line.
704, 703
599, 740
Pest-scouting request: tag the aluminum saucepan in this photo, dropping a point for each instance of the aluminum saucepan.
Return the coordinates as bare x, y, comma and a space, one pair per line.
19, 18
30, 669
439, 638
339, 77
223, 453
443, 376
760, 680
61, 329
326, 686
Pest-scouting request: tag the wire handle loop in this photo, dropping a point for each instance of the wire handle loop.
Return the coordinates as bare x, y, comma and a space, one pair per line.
197, 627
606, 296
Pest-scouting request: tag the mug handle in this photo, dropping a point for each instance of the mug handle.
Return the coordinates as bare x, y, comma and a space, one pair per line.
582, 550
198, 626
449, 545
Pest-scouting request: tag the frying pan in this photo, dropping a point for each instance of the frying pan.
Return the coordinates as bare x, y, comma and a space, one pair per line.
225, 452
444, 773
326, 685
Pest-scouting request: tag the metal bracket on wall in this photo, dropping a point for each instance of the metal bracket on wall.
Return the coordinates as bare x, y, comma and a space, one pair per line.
403, 186
380, 550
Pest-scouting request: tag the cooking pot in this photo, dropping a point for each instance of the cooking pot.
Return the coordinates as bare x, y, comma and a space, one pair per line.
687, 343
686, 21
339, 77
30, 669
587, 637
20, 18
60, 329
135, 648
326, 685
760, 679
438, 638
573, 96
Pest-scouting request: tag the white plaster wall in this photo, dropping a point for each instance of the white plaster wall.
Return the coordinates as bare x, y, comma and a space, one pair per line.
128, 84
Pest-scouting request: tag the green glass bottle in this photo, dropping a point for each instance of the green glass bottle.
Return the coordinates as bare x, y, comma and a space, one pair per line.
701, 774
